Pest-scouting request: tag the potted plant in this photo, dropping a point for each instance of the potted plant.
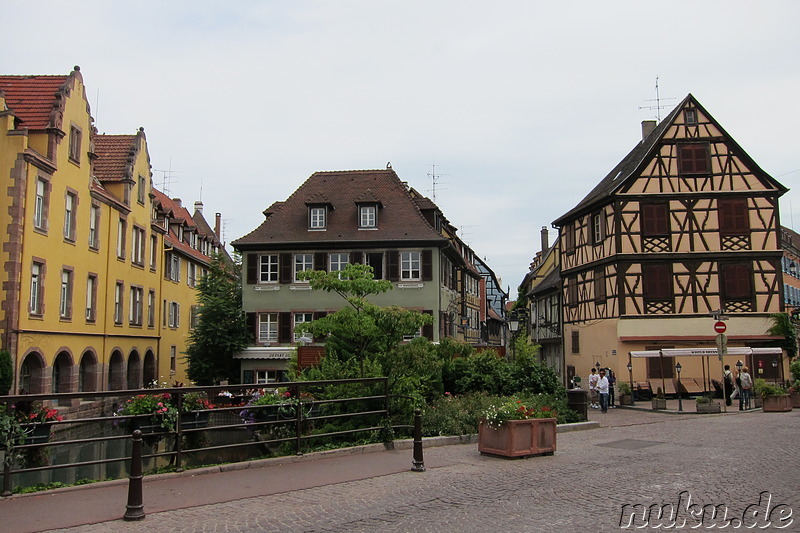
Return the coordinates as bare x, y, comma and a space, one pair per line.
774, 399
194, 412
659, 401
706, 405
11, 434
512, 429
149, 413
625, 393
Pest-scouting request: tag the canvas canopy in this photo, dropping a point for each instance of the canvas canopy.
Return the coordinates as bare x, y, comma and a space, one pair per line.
683, 352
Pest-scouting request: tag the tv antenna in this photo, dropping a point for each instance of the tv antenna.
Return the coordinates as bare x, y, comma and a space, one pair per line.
167, 177
659, 106
434, 180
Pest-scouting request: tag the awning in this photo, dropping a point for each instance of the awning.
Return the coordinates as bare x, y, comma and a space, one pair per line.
265, 352
683, 352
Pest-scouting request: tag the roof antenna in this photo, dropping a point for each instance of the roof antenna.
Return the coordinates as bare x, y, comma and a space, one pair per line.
435, 180
659, 106
166, 178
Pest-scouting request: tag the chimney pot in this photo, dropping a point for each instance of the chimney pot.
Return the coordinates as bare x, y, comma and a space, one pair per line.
545, 240
647, 128
198, 206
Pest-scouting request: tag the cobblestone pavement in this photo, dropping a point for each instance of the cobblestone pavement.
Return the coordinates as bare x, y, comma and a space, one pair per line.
635, 457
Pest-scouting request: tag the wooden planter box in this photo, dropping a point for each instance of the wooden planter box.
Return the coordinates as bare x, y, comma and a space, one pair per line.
659, 403
776, 404
518, 438
626, 399
794, 397
708, 408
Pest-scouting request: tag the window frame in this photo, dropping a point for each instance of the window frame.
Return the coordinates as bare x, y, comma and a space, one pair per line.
733, 215
65, 294
309, 264
268, 264
408, 258
654, 222
310, 318
75, 140
94, 227
119, 302
41, 203
91, 298
368, 216
70, 215
122, 229
693, 159
136, 306
317, 217
36, 302
267, 324
338, 265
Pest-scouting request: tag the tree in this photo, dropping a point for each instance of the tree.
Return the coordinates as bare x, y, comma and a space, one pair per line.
362, 330
221, 329
6, 372
782, 326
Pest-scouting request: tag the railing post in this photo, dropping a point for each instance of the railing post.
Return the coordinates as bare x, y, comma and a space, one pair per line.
179, 435
6, 473
298, 425
419, 461
135, 507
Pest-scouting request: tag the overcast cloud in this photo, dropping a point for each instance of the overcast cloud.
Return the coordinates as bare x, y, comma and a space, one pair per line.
523, 106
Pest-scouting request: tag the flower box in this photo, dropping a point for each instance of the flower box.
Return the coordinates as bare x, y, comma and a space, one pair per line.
708, 407
36, 434
659, 403
194, 420
776, 404
794, 397
518, 438
626, 399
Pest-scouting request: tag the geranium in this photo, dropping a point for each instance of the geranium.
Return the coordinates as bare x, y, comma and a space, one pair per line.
514, 409
157, 405
36, 413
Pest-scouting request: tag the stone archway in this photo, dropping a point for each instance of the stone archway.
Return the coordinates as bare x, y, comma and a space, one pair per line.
31, 374
87, 372
134, 370
116, 371
150, 371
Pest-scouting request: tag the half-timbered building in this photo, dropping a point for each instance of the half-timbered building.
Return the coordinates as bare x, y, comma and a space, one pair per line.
685, 226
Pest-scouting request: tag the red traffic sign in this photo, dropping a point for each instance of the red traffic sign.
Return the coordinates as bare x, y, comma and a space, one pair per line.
720, 327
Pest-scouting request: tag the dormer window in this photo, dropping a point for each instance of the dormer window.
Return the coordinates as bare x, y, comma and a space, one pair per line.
368, 216
317, 217
690, 116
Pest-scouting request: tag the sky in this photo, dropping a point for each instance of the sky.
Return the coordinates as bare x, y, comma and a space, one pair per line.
518, 108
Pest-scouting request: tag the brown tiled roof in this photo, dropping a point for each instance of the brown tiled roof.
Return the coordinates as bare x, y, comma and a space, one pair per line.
115, 156
32, 98
399, 218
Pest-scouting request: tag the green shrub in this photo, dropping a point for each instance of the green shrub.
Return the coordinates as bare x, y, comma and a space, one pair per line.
6, 372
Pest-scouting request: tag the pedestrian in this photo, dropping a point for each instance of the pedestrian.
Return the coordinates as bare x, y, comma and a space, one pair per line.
612, 382
747, 386
593, 379
602, 389
727, 384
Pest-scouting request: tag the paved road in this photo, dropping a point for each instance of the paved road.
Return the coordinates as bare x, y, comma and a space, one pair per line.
635, 457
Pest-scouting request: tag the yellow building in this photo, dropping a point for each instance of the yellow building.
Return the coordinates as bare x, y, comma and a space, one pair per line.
84, 275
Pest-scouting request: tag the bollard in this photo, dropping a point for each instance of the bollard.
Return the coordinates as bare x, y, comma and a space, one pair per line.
419, 462
135, 507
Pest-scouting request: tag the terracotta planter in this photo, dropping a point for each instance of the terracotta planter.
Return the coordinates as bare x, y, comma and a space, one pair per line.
518, 438
708, 408
794, 397
659, 403
776, 404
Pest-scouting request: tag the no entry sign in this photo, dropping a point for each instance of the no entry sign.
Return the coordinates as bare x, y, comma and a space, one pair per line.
720, 327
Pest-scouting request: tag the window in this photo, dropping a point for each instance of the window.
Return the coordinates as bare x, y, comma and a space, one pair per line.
655, 220
75, 144
267, 327
137, 253
268, 269
598, 233
153, 251
94, 227
65, 306
576, 344
302, 262
118, 300
410, 266
266, 376
375, 260
70, 204
317, 217
191, 274
657, 283
737, 281
121, 228
151, 308
172, 271
194, 316
367, 216
693, 158
174, 314
173, 359
572, 291
301, 318
37, 288
337, 262
569, 239
91, 298
599, 285
733, 216
136, 305
141, 190
40, 205
690, 116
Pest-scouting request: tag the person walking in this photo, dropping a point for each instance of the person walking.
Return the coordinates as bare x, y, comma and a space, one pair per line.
727, 384
602, 390
612, 382
747, 386
593, 379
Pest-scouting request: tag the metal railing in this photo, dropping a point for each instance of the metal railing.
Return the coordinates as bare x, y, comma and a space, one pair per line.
238, 425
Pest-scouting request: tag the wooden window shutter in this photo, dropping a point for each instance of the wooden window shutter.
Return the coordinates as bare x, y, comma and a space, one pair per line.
286, 268
252, 324
693, 159
321, 261
427, 329
733, 216
657, 283
252, 269
285, 327
576, 342
393, 265
737, 282
427, 265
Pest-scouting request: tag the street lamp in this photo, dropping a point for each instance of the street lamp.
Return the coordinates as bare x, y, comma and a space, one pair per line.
739, 366
775, 369
630, 374
678, 367
597, 365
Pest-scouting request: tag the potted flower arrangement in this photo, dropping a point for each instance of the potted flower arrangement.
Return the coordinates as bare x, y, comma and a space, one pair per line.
659, 401
774, 399
149, 413
625, 393
705, 404
194, 410
513, 429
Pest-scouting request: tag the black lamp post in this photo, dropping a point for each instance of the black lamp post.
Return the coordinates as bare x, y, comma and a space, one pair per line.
597, 365
739, 366
630, 374
678, 367
513, 327
775, 369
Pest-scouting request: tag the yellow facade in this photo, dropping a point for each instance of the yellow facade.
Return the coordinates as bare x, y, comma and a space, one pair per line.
83, 279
